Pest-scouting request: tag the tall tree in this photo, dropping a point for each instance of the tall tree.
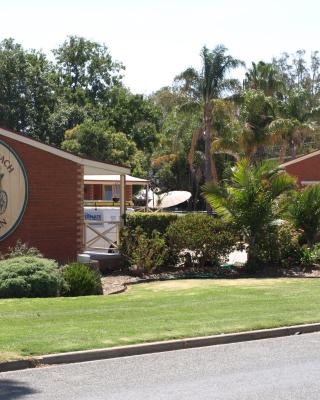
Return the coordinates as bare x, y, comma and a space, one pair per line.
87, 71
264, 76
27, 90
100, 142
210, 83
295, 123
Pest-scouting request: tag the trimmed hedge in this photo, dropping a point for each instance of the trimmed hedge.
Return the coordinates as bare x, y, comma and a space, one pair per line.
30, 276
150, 221
202, 239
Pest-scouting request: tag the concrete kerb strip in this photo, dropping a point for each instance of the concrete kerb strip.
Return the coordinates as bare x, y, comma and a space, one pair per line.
156, 347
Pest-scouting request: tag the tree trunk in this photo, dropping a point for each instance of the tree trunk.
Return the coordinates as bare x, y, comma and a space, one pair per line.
252, 260
260, 153
293, 150
210, 166
283, 152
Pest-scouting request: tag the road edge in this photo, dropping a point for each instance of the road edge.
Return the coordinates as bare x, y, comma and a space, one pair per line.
155, 347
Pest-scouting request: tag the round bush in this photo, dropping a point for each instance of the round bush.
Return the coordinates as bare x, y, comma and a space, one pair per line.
207, 240
29, 277
81, 280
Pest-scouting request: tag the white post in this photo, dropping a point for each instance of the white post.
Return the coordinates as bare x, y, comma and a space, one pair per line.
147, 197
122, 199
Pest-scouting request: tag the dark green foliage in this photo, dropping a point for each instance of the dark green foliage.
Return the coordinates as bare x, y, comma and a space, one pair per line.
150, 221
144, 253
287, 244
310, 255
26, 89
135, 115
206, 239
86, 70
304, 212
100, 142
30, 276
81, 280
280, 246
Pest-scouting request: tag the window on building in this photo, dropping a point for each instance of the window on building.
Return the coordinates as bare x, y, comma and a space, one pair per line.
107, 195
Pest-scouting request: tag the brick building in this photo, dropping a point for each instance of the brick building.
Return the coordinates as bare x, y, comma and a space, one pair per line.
104, 189
305, 168
42, 194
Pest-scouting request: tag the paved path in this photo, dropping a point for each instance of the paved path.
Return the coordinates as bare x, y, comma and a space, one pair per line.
285, 368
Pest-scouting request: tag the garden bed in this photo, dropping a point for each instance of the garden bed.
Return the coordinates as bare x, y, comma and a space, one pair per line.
117, 282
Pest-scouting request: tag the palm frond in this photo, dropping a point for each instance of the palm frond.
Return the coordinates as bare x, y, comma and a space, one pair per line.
217, 197
282, 183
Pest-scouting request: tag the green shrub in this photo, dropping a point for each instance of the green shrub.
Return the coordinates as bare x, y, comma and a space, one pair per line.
288, 244
204, 239
280, 245
150, 221
143, 253
310, 255
81, 280
30, 276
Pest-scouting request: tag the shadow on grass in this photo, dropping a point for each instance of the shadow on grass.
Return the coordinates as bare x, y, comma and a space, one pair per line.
11, 389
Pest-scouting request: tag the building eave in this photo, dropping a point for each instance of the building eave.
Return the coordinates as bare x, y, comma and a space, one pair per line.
301, 158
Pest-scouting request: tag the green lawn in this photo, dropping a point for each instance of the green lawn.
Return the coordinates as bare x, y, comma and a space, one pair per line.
154, 311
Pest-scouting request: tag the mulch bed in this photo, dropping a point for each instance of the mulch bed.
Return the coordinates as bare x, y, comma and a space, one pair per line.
117, 282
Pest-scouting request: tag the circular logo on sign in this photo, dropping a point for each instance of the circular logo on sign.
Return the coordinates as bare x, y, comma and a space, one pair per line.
13, 190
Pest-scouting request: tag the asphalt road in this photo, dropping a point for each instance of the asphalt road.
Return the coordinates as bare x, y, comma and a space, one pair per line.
277, 369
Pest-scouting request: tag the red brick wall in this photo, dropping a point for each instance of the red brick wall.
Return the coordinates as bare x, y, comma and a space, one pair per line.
53, 218
97, 192
88, 192
305, 170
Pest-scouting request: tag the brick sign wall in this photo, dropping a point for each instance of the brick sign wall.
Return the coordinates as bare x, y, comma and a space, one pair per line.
52, 220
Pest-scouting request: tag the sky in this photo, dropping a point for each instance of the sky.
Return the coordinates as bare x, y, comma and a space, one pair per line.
157, 39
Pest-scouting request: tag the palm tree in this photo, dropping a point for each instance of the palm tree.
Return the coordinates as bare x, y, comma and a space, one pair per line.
295, 123
204, 86
247, 135
264, 76
250, 201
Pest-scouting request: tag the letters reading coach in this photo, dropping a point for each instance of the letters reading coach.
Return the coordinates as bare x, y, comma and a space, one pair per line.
6, 163
13, 190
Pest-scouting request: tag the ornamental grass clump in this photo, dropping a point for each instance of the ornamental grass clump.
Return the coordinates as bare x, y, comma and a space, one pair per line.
81, 280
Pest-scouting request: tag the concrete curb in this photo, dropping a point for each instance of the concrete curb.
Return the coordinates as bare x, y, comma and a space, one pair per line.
156, 347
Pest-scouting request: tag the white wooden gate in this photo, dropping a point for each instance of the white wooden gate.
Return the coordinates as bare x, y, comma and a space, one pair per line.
102, 237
